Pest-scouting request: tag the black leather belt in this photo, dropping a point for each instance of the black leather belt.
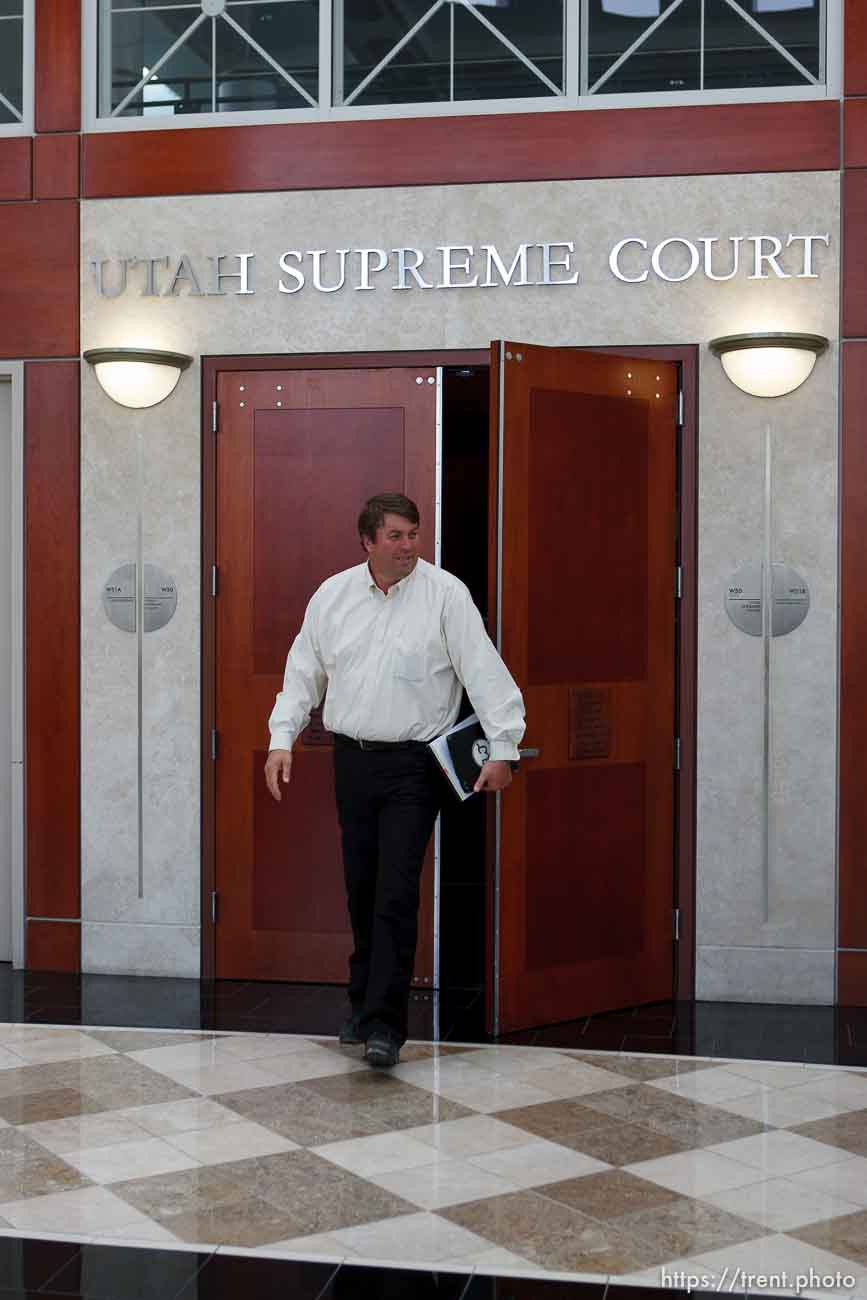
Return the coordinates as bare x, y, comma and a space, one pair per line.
349, 743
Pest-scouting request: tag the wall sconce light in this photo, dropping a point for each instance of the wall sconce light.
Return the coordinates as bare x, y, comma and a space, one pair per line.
137, 377
768, 365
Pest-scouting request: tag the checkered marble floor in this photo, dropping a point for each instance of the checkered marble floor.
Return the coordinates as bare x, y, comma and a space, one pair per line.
497, 1159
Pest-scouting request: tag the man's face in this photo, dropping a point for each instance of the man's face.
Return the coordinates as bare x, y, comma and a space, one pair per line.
395, 551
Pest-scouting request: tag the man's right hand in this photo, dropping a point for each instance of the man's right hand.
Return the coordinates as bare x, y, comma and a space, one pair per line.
277, 766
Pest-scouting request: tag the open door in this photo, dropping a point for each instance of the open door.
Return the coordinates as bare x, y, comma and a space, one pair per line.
583, 549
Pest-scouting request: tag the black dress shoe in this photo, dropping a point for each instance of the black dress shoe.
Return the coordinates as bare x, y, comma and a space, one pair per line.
382, 1051
350, 1034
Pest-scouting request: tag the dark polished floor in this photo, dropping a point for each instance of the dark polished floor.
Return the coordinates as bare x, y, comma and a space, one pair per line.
752, 1031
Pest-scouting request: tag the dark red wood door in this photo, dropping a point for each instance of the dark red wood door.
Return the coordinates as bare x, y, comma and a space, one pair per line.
298, 453
588, 498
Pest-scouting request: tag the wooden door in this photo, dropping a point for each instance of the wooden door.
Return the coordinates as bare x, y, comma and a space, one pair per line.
582, 906
298, 453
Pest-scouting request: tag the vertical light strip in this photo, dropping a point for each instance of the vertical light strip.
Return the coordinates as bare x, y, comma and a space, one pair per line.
104, 54
767, 632
701, 47
139, 631
451, 54
498, 795
16, 371
213, 65
438, 510
329, 87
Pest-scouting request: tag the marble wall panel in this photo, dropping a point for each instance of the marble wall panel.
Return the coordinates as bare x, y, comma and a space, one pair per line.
130, 949
800, 977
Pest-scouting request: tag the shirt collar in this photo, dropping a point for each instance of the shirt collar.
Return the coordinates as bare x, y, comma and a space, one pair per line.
401, 582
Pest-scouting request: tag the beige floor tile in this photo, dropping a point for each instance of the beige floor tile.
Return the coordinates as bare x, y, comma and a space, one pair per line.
384, 1153
137, 1040
82, 1132
493, 1092
847, 1131
779, 1107
117, 1082
777, 1258
213, 1146
319, 1245
609, 1195
112, 1164
498, 1262
696, 1173
311, 1063
846, 1180
226, 1077
678, 1274
164, 1120
773, 1075
54, 1103
778, 1153
573, 1080
419, 1238
537, 1162
472, 1136
88, 1210
687, 1226
445, 1182
303, 1115
781, 1204
251, 1222
844, 1235
137, 1234
42, 1175
691, 1123
640, 1068
60, 1045
710, 1086
9, 1060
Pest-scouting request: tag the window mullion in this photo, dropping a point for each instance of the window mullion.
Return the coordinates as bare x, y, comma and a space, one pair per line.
330, 83
105, 58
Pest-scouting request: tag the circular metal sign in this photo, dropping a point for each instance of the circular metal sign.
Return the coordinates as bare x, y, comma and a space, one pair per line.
481, 751
790, 599
159, 598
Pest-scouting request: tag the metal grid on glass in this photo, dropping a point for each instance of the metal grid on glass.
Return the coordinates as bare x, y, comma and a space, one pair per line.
11, 62
163, 58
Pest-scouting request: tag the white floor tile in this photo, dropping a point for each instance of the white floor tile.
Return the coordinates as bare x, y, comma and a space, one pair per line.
414, 1238
847, 1179
708, 1086
498, 1262
474, 1135
845, 1091
167, 1118
780, 1107
214, 1146
773, 1075
678, 1274
320, 1245
493, 1092
780, 1260
780, 1204
226, 1077
89, 1210
116, 1164
779, 1153
537, 1163
82, 1132
447, 1182
309, 1063
696, 1173
62, 1045
385, 1153
10, 1061
567, 1080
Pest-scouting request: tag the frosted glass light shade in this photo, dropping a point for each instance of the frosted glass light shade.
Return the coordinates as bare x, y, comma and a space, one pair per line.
768, 365
137, 377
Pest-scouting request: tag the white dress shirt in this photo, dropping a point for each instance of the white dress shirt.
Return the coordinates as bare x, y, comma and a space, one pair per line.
394, 663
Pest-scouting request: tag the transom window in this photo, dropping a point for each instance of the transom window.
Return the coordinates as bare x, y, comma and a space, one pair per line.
177, 58
13, 109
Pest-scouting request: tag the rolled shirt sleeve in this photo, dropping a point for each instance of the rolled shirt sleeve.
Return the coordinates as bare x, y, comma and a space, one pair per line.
304, 683
493, 692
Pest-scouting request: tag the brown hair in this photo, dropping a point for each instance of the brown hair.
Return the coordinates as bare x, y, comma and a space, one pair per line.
373, 514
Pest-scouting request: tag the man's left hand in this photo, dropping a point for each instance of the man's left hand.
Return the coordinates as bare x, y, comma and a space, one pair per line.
495, 775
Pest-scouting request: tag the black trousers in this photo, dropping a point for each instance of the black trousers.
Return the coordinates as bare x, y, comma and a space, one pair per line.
387, 803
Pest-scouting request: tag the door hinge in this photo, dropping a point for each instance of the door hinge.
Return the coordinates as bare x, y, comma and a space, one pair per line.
215, 417
677, 754
215, 744
214, 908
678, 582
679, 407
215, 580
676, 924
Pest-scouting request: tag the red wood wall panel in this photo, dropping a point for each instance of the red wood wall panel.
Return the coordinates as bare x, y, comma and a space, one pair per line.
854, 269
853, 632
51, 630
855, 48
39, 243
53, 945
58, 65
15, 169
855, 132
55, 167
852, 979
442, 150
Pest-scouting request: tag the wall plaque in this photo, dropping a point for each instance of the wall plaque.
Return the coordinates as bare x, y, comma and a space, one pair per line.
590, 722
159, 599
790, 599
118, 598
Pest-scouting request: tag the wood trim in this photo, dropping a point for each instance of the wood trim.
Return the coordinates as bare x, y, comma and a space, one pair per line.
590, 143
854, 271
855, 133
40, 279
58, 65
54, 946
852, 897
15, 169
56, 166
51, 631
855, 47
852, 979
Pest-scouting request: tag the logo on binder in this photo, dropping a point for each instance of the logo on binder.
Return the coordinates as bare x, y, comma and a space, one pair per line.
481, 751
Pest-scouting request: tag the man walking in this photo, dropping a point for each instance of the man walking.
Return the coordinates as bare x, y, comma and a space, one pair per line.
394, 640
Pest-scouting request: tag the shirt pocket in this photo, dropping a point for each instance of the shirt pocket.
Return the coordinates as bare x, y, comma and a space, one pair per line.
409, 662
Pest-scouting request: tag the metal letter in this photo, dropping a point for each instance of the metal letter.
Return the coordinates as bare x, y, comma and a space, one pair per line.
614, 261
124, 264
656, 259
218, 275
150, 290
291, 270
449, 266
566, 262
735, 241
809, 240
365, 254
317, 254
184, 271
404, 267
519, 260
771, 258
